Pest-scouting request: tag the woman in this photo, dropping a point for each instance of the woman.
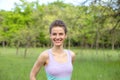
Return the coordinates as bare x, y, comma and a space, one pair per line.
57, 60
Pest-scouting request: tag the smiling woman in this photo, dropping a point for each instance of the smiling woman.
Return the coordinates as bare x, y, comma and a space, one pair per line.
58, 33
57, 36
56, 60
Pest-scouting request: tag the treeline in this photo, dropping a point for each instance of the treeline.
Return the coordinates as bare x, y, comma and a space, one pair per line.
96, 25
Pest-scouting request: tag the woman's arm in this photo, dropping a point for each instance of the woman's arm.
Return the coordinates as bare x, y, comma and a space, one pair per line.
38, 64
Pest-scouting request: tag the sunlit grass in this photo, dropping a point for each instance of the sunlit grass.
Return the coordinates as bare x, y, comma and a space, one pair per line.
89, 65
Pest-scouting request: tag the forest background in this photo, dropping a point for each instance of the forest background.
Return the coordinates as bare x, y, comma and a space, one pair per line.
96, 25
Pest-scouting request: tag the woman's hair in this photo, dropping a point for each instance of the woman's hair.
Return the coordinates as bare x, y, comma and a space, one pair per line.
58, 23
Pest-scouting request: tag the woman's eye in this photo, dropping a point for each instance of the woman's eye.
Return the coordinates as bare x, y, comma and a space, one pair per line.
61, 34
54, 34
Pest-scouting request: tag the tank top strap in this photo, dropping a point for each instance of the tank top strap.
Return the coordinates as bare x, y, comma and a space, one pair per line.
69, 55
50, 55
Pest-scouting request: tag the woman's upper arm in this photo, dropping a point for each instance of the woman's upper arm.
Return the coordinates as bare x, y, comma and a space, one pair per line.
39, 63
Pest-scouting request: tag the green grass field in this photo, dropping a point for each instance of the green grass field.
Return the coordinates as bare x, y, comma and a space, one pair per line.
89, 65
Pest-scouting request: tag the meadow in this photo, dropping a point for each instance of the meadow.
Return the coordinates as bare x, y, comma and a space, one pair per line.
103, 64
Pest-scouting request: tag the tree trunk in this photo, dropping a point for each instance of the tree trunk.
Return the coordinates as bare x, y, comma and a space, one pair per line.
113, 45
25, 53
113, 40
91, 45
69, 42
17, 47
97, 40
35, 44
26, 48
3, 44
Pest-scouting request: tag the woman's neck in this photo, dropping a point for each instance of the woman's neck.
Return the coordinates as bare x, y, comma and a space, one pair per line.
58, 50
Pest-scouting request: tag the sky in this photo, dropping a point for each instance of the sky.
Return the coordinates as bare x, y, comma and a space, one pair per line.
9, 4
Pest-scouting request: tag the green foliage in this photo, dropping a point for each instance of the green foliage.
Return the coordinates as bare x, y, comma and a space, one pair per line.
88, 26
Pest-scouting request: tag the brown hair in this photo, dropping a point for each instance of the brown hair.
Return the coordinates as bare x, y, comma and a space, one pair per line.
58, 23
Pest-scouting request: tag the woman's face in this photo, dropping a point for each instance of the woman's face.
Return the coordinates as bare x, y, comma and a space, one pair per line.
57, 36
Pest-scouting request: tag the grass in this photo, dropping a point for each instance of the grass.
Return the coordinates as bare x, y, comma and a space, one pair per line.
89, 64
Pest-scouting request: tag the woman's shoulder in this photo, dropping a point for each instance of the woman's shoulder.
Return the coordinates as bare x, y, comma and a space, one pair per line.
44, 54
72, 54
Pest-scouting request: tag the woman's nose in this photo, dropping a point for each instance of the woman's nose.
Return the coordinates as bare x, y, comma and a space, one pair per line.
57, 36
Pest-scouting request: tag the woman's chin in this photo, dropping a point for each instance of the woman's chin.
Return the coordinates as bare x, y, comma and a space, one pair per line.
58, 45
